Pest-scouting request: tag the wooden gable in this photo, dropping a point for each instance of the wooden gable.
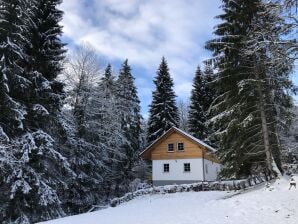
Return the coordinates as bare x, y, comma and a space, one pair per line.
158, 150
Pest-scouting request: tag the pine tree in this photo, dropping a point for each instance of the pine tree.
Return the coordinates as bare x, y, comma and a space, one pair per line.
210, 90
202, 95
45, 53
228, 112
13, 21
86, 161
163, 112
129, 106
45, 47
7, 164
211, 93
269, 55
244, 110
105, 130
290, 14
36, 176
197, 116
227, 58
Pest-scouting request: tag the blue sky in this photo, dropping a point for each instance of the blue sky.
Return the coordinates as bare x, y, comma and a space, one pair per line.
143, 31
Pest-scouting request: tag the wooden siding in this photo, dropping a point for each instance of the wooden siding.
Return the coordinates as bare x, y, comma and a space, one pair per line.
159, 150
191, 149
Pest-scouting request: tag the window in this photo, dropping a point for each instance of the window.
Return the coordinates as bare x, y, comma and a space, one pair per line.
166, 168
180, 146
171, 147
206, 168
186, 167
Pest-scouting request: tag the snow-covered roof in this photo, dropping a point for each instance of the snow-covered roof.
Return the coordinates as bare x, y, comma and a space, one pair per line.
200, 142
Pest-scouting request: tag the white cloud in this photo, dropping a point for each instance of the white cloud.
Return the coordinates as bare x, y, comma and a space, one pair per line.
144, 31
119, 6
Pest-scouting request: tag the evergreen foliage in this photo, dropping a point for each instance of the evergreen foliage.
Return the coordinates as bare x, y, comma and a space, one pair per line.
163, 112
33, 100
246, 108
84, 154
86, 161
105, 130
13, 21
129, 104
201, 98
57, 160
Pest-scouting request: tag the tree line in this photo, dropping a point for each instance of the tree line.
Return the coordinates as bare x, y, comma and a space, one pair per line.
241, 103
71, 133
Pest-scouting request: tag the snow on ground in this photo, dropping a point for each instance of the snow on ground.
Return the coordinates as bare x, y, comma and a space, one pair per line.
261, 205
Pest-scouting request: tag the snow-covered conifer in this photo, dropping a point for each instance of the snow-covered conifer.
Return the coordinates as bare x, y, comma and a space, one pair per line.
163, 113
34, 97
82, 147
202, 96
104, 127
13, 26
128, 104
246, 109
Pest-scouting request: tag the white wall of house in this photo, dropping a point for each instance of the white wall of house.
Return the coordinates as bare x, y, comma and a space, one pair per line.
176, 170
211, 170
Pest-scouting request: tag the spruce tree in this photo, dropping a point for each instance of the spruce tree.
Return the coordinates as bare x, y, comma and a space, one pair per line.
13, 21
45, 53
202, 96
227, 109
245, 110
104, 127
129, 106
45, 47
163, 113
210, 90
84, 188
36, 177
199, 106
268, 52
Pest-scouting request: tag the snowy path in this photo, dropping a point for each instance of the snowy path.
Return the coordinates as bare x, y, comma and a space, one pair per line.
279, 206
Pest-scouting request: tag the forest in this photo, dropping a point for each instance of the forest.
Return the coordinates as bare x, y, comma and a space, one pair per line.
71, 131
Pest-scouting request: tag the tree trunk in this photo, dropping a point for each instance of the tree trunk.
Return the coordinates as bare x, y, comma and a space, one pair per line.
264, 125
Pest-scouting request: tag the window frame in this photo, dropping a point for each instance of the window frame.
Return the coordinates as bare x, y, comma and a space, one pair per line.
180, 150
173, 147
166, 167
186, 168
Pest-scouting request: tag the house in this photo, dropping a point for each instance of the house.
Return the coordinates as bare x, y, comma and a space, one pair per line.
177, 157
